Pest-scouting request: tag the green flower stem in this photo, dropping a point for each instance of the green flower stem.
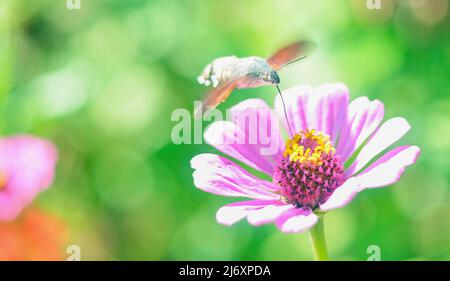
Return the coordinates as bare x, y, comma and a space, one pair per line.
317, 236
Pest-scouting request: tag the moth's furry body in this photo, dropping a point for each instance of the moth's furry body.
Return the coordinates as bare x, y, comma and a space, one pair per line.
227, 73
226, 69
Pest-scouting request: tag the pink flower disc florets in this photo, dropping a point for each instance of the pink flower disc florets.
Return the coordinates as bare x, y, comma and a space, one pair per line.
309, 170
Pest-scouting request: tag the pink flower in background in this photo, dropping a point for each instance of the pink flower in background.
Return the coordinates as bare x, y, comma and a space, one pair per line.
27, 166
307, 171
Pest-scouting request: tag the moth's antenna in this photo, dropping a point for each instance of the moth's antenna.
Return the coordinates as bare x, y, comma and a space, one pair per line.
284, 108
292, 61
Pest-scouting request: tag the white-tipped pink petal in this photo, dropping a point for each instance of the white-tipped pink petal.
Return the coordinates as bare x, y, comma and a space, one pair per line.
252, 136
391, 131
296, 220
218, 175
364, 117
267, 214
342, 195
323, 108
388, 169
296, 102
327, 109
234, 212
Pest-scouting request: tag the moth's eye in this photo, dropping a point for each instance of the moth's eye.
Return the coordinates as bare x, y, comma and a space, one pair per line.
273, 77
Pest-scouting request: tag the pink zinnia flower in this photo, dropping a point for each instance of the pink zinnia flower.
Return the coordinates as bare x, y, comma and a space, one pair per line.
27, 167
311, 173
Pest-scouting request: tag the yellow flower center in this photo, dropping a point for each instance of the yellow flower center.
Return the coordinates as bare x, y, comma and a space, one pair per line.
308, 146
310, 170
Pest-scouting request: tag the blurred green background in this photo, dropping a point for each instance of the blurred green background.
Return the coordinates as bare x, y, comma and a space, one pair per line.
101, 82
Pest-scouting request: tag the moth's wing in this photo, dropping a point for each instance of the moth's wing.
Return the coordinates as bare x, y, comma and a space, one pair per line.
218, 95
289, 53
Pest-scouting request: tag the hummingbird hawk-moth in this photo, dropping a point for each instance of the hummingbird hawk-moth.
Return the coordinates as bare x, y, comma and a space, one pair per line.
227, 73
